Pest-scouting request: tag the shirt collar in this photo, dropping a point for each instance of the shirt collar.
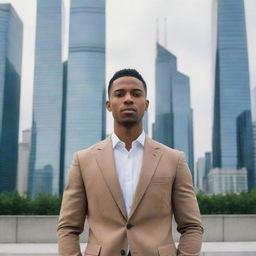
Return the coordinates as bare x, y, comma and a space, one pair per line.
140, 139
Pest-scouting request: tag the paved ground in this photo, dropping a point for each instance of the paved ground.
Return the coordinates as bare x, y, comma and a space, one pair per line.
208, 249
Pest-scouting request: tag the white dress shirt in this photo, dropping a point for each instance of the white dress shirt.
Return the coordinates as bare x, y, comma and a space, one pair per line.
128, 166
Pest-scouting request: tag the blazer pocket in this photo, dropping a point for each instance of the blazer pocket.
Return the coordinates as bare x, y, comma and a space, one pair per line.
167, 250
160, 180
92, 249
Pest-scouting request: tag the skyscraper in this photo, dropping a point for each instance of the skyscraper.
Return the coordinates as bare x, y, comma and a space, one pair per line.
11, 38
85, 114
47, 100
254, 149
23, 160
232, 94
200, 173
165, 68
182, 117
173, 123
245, 150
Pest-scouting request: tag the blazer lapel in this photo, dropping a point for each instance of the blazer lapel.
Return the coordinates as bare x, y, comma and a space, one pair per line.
151, 157
105, 160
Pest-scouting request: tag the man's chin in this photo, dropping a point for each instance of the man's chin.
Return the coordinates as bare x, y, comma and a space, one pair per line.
129, 123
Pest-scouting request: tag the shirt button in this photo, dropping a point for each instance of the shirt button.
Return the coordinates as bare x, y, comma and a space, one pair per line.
122, 252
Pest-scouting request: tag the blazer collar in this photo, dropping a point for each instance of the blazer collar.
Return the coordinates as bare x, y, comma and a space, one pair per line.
105, 159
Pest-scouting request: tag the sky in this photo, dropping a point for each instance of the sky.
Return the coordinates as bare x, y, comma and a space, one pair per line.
184, 27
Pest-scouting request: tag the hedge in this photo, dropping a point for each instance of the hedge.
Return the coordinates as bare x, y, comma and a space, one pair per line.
15, 204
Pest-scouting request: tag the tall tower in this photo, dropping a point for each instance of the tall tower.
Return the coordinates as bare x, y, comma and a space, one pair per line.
182, 117
165, 68
45, 151
232, 94
11, 38
85, 112
173, 123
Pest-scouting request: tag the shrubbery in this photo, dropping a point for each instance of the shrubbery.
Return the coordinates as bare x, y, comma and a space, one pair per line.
14, 204
244, 203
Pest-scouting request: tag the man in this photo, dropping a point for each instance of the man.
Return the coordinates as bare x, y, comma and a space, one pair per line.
129, 186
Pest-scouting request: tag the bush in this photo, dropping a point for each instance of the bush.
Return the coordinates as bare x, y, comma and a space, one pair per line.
244, 203
15, 204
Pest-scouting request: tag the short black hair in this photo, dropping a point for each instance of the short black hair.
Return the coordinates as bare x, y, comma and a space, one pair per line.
127, 72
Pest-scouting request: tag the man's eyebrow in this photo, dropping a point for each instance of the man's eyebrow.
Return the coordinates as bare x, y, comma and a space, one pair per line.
121, 90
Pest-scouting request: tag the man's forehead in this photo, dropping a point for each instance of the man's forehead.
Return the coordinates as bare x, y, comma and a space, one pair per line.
129, 81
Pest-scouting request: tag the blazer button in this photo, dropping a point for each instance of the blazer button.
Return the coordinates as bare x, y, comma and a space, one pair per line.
129, 226
122, 252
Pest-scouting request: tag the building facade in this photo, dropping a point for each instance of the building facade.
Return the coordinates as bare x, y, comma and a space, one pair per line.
200, 173
182, 117
47, 100
165, 68
254, 149
85, 110
245, 147
23, 162
11, 41
227, 181
174, 117
232, 93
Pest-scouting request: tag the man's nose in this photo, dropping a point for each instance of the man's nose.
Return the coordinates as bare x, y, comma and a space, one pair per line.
128, 99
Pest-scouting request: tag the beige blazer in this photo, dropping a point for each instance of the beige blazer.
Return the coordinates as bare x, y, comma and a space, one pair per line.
164, 189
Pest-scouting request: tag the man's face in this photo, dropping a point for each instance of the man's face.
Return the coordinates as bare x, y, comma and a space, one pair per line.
127, 100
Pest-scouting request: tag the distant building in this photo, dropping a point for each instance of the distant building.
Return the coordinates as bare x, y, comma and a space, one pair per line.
227, 181
200, 173
85, 110
182, 117
245, 150
174, 117
166, 67
254, 150
145, 122
254, 104
11, 39
208, 167
232, 93
23, 162
45, 150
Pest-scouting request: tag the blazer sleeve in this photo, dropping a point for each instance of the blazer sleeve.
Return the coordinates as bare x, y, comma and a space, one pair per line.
73, 212
186, 211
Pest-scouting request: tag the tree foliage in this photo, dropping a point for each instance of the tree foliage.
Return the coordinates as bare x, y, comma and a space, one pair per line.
243, 203
15, 204
42, 204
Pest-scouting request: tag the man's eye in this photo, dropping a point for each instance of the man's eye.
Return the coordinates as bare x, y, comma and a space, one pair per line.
136, 94
119, 94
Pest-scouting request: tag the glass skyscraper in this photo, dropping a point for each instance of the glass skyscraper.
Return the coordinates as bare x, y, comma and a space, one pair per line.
173, 123
245, 147
182, 117
165, 68
232, 94
11, 38
44, 166
85, 109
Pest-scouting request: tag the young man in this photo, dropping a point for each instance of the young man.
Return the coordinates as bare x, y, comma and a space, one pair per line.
128, 187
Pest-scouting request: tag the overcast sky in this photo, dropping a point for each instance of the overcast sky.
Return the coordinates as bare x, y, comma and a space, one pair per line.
131, 42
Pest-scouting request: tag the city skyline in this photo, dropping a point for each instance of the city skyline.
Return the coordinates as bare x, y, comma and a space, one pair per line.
232, 88
44, 163
11, 35
201, 89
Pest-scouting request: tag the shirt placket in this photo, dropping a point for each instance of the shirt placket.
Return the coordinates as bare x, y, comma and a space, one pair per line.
129, 181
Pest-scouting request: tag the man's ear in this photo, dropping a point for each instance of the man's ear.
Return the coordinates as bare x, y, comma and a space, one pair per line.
146, 105
108, 106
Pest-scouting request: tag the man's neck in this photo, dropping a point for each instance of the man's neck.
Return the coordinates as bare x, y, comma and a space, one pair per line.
128, 134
